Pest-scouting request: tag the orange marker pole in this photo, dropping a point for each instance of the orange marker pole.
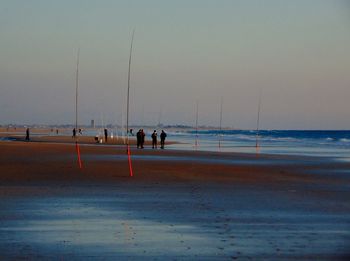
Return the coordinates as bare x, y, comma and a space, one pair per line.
129, 160
78, 153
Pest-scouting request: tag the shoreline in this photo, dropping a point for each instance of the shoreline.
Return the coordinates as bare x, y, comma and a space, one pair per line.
296, 144
89, 140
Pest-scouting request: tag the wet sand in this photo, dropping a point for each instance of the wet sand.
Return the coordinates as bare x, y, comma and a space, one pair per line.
178, 205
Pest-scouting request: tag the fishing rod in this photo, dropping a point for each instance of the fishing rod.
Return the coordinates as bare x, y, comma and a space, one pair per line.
258, 121
160, 117
220, 129
196, 140
128, 92
102, 128
122, 127
76, 110
127, 108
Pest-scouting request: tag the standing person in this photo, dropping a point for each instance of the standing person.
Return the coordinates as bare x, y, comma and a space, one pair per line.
154, 139
74, 133
106, 134
142, 138
162, 139
27, 134
138, 138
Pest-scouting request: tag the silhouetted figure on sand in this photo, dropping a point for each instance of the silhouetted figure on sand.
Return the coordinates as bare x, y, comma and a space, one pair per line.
27, 134
162, 139
138, 139
106, 135
154, 139
74, 133
142, 138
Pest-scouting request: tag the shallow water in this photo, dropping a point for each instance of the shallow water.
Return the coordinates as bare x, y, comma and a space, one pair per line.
256, 161
308, 143
163, 221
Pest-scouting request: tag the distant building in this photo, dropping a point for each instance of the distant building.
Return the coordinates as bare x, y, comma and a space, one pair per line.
92, 124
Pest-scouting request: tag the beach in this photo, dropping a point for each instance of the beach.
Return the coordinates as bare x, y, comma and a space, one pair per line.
179, 205
250, 97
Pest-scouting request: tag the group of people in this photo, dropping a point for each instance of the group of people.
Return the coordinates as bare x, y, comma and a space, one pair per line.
162, 139
140, 136
75, 132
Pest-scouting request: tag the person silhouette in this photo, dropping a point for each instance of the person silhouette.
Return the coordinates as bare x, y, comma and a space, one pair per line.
27, 134
106, 134
154, 139
138, 138
142, 138
162, 139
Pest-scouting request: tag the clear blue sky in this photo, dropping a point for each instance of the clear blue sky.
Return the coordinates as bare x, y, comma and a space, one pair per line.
184, 51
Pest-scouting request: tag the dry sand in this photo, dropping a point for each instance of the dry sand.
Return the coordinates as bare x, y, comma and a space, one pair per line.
178, 205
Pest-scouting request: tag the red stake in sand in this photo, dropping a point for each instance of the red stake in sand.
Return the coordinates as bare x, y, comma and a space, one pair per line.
78, 152
129, 160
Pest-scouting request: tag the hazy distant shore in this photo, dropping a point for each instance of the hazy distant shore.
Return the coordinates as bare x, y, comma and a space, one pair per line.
50, 135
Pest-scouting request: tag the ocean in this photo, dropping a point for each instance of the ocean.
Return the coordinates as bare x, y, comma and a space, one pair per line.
319, 143
328, 143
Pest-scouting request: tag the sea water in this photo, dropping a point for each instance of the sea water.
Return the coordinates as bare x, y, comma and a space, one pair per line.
329, 143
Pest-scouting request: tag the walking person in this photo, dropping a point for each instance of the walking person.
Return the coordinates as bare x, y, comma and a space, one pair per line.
162, 139
27, 134
106, 134
74, 133
142, 138
138, 138
154, 139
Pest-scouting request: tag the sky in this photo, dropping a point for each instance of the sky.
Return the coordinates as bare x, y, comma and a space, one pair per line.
296, 53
